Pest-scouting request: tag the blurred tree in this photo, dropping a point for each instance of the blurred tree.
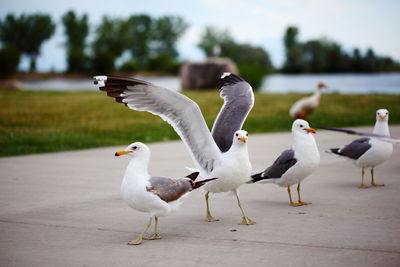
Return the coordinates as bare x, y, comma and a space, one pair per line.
166, 32
356, 61
139, 29
27, 34
253, 62
110, 42
9, 58
370, 61
76, 30
293, 50
323, 55
213, 39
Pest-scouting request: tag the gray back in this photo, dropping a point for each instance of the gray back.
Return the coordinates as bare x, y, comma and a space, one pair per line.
283, 163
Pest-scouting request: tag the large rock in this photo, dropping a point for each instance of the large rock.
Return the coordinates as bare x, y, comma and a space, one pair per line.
205, 75
10, 84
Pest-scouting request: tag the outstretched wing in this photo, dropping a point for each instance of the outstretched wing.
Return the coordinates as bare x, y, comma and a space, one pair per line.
182, 113
238, 101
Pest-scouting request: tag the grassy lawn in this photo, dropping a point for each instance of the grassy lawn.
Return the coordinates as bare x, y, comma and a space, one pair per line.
36, 122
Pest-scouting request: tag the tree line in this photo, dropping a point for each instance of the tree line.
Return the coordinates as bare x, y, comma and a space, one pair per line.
149, 43
253, 62
326, 56
144, 43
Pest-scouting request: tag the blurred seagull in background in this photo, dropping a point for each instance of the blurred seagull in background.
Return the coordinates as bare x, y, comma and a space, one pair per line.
368, 152
295, 164
158, 196
223, 153
303, 107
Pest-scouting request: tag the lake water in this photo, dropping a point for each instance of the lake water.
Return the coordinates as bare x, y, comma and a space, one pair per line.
382, 83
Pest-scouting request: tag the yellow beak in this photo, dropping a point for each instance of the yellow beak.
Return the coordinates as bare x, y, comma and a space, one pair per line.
243, 139
310, 130
121, 153
382, 116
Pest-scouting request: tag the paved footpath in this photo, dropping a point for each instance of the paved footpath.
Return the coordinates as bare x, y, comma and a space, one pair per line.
64, 209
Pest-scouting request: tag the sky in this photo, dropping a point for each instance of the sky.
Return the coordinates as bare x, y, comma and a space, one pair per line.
352, 23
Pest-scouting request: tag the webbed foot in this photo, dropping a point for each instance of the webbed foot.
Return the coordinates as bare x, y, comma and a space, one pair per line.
210, 218
154, 236
137, 241
247, 221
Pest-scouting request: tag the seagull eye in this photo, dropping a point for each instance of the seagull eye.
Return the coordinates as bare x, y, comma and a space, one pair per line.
247, 134
134, 148
237, 134
301, 125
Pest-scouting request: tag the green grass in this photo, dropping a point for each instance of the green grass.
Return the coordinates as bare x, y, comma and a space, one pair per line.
37, 122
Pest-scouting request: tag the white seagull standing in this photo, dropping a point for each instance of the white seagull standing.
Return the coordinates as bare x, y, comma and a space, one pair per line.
368, 152
223, 154
305, 106
155, 195
295, 164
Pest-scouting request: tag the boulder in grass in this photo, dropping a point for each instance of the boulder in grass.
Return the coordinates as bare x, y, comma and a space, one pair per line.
206, 74
10, 84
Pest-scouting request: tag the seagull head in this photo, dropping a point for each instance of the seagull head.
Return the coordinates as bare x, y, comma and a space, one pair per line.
136, 149
321, 85
302, 127
240, 137
382, 115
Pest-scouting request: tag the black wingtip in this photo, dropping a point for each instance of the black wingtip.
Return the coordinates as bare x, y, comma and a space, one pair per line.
334, 151
203, 182
255, 178
193, 175
258, 177
229, 79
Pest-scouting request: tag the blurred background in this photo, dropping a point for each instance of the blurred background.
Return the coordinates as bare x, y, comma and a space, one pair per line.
335, 41
49, 51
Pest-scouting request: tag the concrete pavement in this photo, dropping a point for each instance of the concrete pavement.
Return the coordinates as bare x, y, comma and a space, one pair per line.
64, 209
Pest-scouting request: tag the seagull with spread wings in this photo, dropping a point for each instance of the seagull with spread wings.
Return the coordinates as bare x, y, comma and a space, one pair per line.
222, 153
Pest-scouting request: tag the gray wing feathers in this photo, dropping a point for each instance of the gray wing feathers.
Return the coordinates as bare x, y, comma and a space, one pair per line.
355, 149
170, 189
238, 100
281, 165
180, 112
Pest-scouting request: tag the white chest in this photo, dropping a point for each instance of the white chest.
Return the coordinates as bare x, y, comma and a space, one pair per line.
379, 152
233, 171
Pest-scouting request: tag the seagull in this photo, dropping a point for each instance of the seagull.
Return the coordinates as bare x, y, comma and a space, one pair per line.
158, 196
368, 152
305, 106
295, 164
222, 153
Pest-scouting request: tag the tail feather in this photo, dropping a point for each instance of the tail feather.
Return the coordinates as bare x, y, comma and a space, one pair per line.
202, 182
193, 175
258, 177
334, 151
